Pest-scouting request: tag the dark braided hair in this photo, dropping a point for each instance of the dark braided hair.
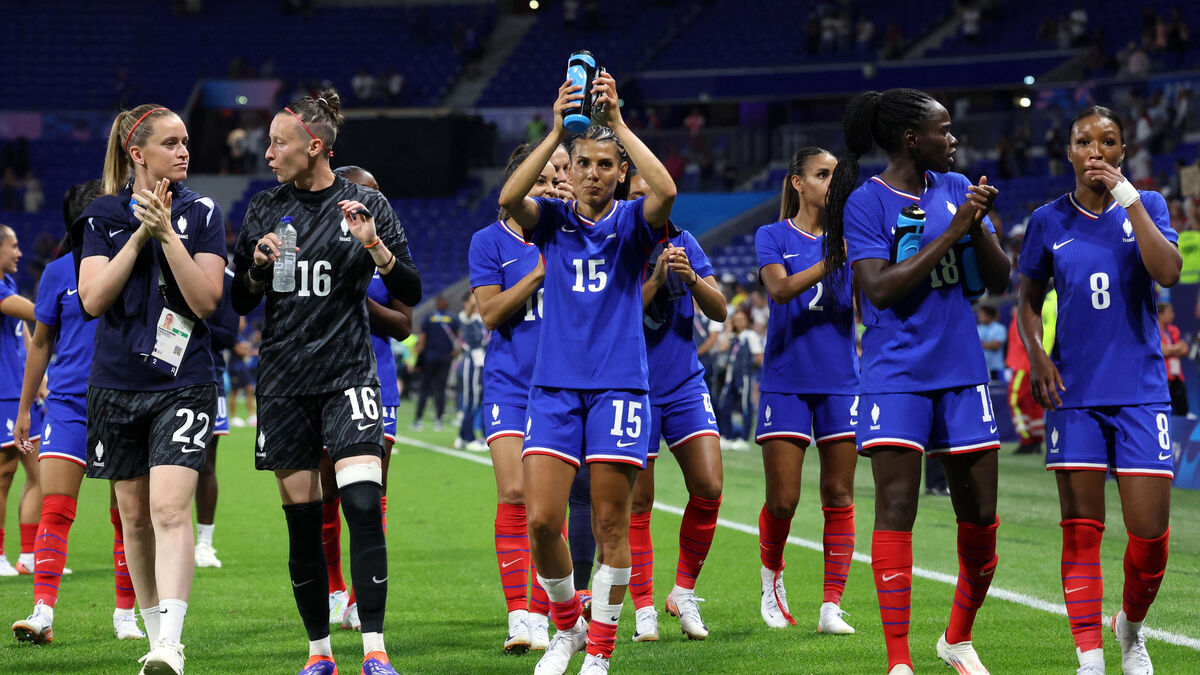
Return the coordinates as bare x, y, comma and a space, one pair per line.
870, 117
789, 199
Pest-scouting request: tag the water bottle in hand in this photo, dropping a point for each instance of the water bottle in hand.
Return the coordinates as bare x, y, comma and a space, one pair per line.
910, 225
285, 266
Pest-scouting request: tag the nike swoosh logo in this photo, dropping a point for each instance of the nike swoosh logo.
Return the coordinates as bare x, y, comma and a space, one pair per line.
564, 228
1165, 456
72, 291
1063, 243
625, 445
113, 233
611, 236
368, 426
39, 562
509, 563
378, 581
186, 451
839, 554
1072, 590
121, 564
987, 573
302, 583
992, 429
889, 577
790, 255
506, 264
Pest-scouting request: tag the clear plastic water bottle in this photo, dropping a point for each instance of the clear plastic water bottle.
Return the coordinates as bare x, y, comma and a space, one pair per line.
284, 280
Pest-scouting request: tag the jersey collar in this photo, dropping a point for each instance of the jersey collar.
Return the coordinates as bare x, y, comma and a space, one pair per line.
792, 222
1085, 212
504, 226
902, 193
589, 222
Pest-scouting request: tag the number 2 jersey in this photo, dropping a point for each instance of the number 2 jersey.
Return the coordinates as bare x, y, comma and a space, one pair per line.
317, 338
927, 340
1107, 350
499, 256
592, 325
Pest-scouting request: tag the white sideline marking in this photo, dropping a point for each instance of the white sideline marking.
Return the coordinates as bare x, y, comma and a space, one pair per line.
993, 592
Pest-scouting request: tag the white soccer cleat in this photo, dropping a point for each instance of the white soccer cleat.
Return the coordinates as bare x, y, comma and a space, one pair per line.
206, 556
539, 631
831, 621
37, 628
1135, 660
1091, 669
564, 645
517, 641
166, 658
338, 600
687, 608
774, 607
125, 625
6, 568
350, 620
478, 445
960, 656
459, 443
901, 669
594, 665
645, 625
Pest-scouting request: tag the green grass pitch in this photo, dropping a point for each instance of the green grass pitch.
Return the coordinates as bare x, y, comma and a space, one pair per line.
446, 613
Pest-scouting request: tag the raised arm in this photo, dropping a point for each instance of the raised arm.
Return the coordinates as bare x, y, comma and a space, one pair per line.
514, 196
658, 203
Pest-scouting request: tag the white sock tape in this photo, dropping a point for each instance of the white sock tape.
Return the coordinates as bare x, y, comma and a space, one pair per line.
370, 472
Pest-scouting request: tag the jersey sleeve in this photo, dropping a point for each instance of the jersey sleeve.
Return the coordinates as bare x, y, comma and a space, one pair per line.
96, 240
700, 263
243, 250
46, 308
389, 229
1156, 206
483, 262
767, 247
643, 230
551, 214
866, 233
1035, 261
7, 289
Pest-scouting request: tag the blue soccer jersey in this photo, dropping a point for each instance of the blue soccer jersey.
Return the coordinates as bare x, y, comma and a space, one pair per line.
810, 340
592, 329
1108, 349
667, 322
925, 341
12, 345
500, 256
385, 363
58, 305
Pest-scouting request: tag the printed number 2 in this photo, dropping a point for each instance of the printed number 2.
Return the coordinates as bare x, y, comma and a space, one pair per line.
634, 419
180, 435
815, 304
597, 278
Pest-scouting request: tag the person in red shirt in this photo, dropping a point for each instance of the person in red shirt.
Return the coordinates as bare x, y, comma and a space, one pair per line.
1026, 413
1173, 348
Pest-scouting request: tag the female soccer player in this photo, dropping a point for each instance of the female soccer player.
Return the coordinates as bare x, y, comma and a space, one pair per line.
1105, 244
15, 312
809, 387
589, 398
317, 382
62, 456
681, 413
153, 255
924, 379
506, 280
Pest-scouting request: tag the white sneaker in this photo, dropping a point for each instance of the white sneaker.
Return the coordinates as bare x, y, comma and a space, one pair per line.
6, 568
166, 658
237, 422
685, 606
1091, 669
960, 656
774, 607
338, 600
125, 625
594, 665
739, 445
206, 556
901, 669
37, 628
831, 621
1091, 662
560, 650
478, 445
645, 621
252, 420
1135, 660
350, 620
517, 641
539, 631
459, 443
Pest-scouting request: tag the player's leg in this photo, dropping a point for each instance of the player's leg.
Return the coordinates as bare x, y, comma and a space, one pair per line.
580, 538
124, 619
206, 507
547, 479
512, 539
835, 421
699, 458
331, 540
441, 375
300, 492
30, 509
9, 462
641, 546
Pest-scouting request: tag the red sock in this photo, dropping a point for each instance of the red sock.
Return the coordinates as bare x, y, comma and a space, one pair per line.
976, 565
695, 538
891, 563
601, 638
1145, 562
772, 535
29, 532
566, 614
1, 541
383, 510
58, 513
512, 554
1083, 580
641, 577
839, 550
331, 539
121, 581
539, 603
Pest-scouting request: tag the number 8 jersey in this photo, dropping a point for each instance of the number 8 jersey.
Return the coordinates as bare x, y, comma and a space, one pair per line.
1107, 349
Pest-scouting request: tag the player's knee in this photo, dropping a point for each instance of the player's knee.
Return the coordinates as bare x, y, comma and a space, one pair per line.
360, 487
707, 487
610, 524
543, 526
836, 494
782, 508
512, 495
642, 503
171, 516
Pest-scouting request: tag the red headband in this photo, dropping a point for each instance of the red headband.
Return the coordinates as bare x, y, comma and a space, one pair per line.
310, 133
135, 125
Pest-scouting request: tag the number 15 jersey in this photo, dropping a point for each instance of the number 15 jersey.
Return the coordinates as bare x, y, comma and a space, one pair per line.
1107, 348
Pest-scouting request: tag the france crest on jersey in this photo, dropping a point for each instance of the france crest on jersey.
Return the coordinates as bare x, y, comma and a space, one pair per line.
668, 319
926, 341
592, 329
500, 256
58, 305
810, 340
12, 345
1108, 348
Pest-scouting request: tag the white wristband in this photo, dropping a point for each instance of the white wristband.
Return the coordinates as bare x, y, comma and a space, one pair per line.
1125, 194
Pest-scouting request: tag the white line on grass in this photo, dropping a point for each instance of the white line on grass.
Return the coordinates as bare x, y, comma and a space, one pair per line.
1002, 594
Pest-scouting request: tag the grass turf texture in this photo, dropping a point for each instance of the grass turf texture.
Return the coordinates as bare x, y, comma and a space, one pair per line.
446, 613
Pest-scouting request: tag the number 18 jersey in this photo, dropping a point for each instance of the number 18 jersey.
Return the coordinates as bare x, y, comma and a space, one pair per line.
1108, 348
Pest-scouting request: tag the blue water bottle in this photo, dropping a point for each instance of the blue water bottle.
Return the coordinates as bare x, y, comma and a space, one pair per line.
581, 70
910, 225
972, 282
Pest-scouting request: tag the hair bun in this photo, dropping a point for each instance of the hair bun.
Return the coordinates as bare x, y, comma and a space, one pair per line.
330, 102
